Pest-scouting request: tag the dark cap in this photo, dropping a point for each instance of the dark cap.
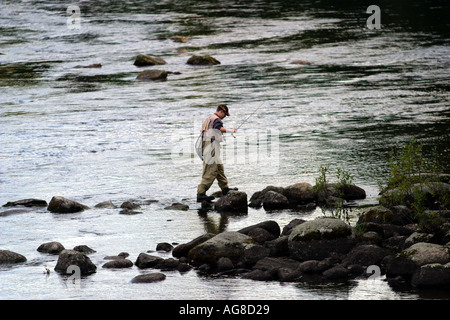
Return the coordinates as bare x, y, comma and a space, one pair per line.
223, 107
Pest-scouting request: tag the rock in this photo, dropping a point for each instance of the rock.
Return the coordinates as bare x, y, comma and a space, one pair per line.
121, 255
427, 193
228, 244
69, 258
15, 211
316, 239
254, 254
10, 257
202, 60
129, 205
310, 266
164, 246
278, 247
177, 206
234, 202
147, 60
152, 75
167, 264
417, 237
432, 275
271, 226
299, 193
291, 225
273, 201
149, 278
118, 263
257, 197
365, 255
259, 275
144, 261
224, 264
182, 250
377, 214
93, 65
336, 273
181, 39
53, 247
350, 192
129, 212
60, 204
105, 204
301, 62
84, 249
27, 203
371, 237
273, 264
407, 262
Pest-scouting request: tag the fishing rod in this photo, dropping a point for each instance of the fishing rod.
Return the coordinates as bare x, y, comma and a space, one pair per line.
243, 122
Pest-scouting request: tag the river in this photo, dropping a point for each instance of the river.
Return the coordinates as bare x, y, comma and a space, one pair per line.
98, 134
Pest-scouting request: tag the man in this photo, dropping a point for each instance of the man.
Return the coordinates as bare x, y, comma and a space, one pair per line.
212, 131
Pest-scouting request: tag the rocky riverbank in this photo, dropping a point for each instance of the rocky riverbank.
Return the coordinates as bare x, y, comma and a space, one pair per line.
385, 240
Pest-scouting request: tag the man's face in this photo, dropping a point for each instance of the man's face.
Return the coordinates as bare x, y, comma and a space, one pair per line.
221, 114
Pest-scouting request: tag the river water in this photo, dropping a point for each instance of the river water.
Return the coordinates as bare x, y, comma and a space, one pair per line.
97, 134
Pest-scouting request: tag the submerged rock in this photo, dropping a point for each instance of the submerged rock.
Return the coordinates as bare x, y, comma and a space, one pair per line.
149, 278
27, 203
202, 60
177, 206
148, 60
60, 204
152, 75
53, 247
10, 257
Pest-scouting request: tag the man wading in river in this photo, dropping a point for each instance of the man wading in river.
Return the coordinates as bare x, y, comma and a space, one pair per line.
211, 136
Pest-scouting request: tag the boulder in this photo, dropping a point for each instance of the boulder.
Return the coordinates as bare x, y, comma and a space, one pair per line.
105, 204
228, 244
376, 214
273, 201
53, 247
432, 275
69, 258
291, 225
257, 198
27, 203
181, 39
182, 250
168, 264
177, 206
427, 193
84, 249
129, 205
147, 60
316, 239
149, 278
407, 262
365, 255
299, 193
118, 264
336, 273
152, 75
164, 246
10, 257
60, 204
202, 60
144, 261
350, 192
233, 202
271, 226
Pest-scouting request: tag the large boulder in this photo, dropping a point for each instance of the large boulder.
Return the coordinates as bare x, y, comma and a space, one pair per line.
69, 258
202, 60
147, 60
299, 193
183, 249
257, 198
10, 257
432, 275
273, 200
228, 244
234, 202
144, 261
407, 262
60, 204
316, 239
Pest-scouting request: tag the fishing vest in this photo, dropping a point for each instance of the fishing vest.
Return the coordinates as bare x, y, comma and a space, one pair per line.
208, 132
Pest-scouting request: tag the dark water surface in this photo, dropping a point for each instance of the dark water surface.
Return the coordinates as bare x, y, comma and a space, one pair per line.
96, 134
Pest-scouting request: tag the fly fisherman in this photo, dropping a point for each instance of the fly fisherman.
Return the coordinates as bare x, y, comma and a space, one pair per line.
211, 136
